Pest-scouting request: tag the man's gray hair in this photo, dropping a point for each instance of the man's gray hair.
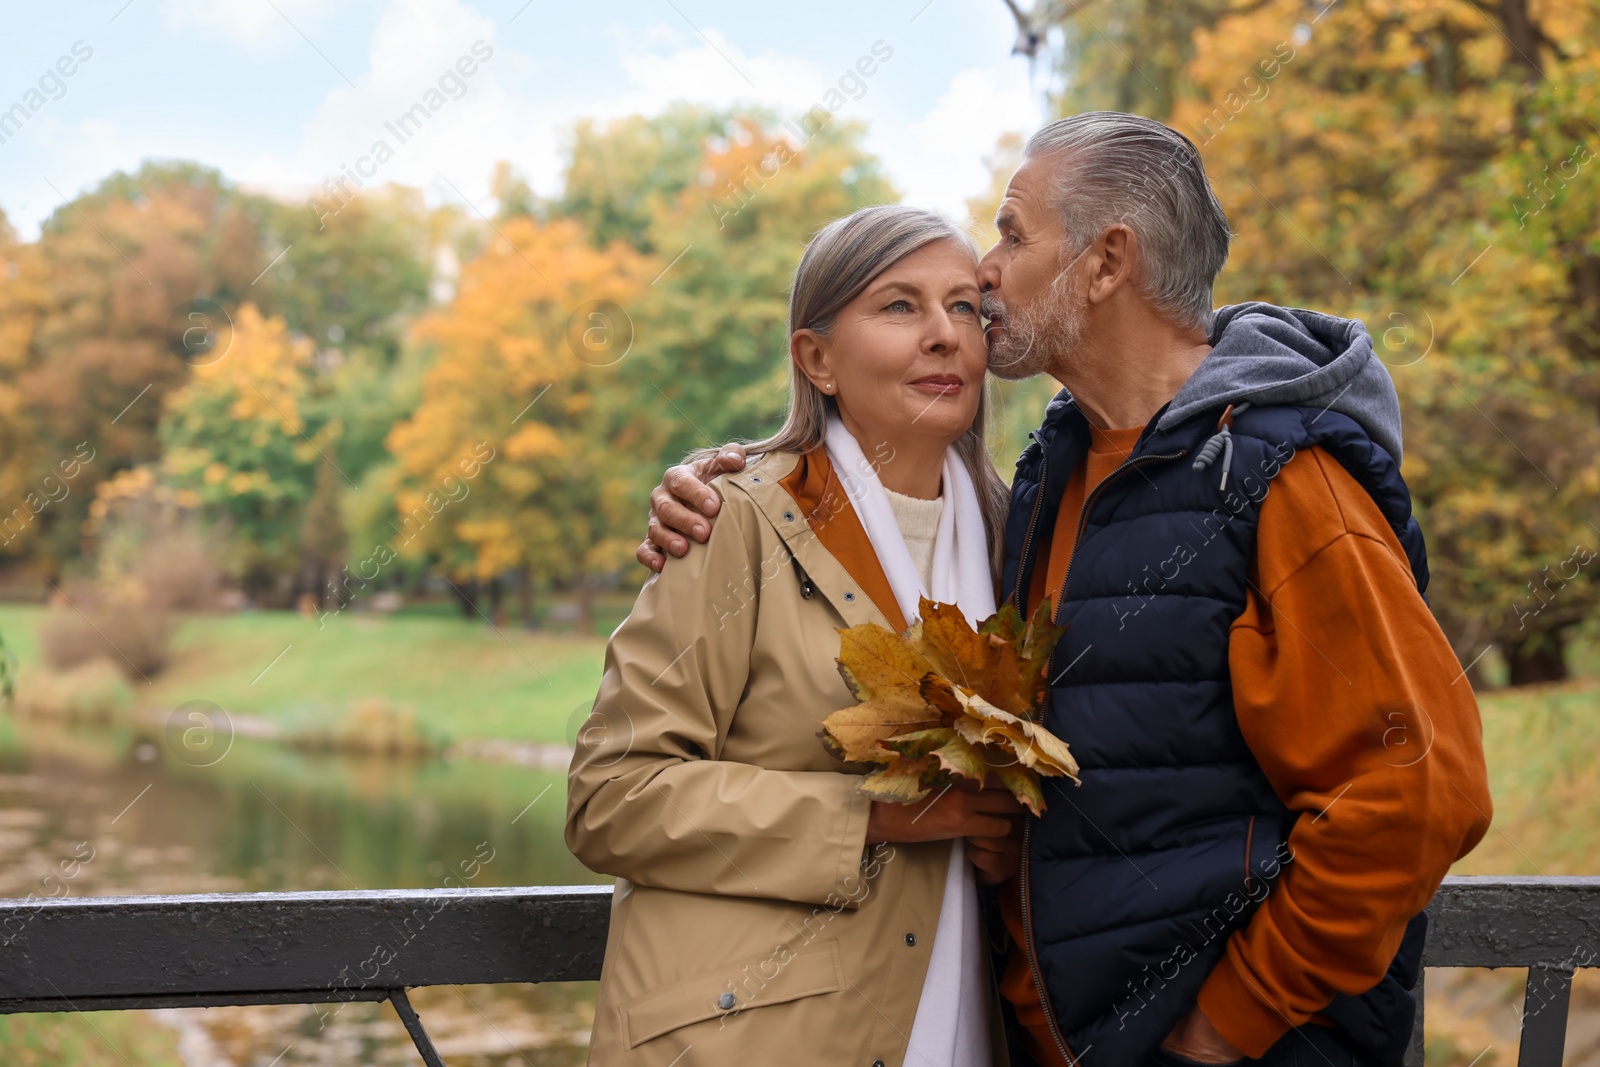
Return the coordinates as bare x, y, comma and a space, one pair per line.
1122, 168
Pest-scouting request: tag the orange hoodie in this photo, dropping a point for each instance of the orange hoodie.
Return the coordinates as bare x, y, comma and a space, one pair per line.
1353, 703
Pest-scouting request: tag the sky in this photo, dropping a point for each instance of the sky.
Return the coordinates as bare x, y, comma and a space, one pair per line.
282, 95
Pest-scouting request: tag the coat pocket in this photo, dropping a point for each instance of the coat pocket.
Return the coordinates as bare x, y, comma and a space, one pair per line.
775, 977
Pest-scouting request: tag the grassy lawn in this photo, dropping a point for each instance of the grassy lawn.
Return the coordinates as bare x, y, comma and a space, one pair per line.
1545, 781
87, 1039
458, 675
470, 681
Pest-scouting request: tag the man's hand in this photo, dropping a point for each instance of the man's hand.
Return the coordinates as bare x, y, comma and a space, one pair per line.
1194, 1038
997, 859
962, 810
684, 503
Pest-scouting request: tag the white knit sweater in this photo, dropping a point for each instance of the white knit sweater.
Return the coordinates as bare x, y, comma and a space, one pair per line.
919, 525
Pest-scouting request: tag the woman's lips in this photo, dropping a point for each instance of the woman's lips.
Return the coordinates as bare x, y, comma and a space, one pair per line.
942, 384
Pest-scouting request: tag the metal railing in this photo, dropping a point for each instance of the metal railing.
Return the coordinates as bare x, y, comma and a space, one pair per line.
209, 949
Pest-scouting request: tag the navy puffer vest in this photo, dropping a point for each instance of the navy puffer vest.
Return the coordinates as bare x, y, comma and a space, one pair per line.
1134, 880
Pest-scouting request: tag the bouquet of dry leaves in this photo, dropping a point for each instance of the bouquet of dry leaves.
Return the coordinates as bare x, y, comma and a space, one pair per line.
944, 701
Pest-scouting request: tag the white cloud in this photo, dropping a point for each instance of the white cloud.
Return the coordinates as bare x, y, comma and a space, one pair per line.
254, 23
938, 159
710, 70
469, 121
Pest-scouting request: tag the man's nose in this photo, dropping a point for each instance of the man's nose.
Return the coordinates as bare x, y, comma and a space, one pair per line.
988, 273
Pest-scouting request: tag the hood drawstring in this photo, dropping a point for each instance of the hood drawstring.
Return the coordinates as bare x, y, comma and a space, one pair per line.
1221, 441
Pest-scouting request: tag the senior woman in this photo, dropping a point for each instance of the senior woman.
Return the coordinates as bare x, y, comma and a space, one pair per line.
766, 910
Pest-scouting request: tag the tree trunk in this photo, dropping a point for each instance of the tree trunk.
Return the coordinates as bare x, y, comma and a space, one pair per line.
1537, 659
525, 598
585, 591
1524, 36
497, 613
467, 593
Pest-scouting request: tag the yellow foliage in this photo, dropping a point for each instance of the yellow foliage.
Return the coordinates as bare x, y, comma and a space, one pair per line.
945, 701
520, 361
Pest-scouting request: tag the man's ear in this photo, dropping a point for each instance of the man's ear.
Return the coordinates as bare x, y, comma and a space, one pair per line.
810, 354
1113, 265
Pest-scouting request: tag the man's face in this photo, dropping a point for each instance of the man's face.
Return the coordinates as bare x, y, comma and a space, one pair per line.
1030, 297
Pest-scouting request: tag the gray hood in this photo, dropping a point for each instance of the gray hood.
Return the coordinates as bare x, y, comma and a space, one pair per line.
1273, 355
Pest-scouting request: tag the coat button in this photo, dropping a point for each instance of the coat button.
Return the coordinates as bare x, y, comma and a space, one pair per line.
877, 1063
911, 939
727, 1001
755, 481
788, 516
850, 598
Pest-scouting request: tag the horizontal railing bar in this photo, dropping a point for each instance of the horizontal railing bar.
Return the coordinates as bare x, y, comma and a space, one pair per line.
191, 1000
1514, 922
331, 946
321, 945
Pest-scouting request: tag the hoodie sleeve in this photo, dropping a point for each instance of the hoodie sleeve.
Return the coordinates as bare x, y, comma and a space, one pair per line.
1353, 703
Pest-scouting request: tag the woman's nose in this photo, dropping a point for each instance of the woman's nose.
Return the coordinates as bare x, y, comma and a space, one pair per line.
944, 334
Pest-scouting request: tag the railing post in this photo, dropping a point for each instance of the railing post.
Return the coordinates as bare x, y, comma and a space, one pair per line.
1544, 1016
1419, 1043
419, 1036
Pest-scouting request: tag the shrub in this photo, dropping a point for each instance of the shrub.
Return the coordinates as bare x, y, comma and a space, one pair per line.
94, 691
371, 726
137, 638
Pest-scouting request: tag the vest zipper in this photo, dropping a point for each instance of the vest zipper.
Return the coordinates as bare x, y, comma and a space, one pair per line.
1027, 824
1027, 540
1033, 959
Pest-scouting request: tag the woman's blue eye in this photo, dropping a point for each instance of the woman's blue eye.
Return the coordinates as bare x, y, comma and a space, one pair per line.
966, 307
899, 305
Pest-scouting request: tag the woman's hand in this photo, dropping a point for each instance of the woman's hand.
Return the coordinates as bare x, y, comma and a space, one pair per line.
684, 503
962, 810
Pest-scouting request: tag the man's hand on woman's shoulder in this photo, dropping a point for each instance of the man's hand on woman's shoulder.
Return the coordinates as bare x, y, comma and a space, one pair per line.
685, 504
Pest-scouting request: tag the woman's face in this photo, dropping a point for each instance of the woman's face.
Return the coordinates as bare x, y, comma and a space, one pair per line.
906, 357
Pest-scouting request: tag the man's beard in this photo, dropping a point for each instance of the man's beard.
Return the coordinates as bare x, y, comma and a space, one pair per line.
1040, 338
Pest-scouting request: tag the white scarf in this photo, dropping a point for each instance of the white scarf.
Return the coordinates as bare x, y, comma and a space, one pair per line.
960, 551
951, 1026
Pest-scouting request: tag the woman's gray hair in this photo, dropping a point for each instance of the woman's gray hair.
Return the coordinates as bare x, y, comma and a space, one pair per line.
1114, 167
838, 265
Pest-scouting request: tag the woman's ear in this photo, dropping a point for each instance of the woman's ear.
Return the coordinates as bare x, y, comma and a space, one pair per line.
811, 355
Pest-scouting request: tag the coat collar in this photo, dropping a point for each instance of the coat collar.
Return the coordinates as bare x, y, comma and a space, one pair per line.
800, 495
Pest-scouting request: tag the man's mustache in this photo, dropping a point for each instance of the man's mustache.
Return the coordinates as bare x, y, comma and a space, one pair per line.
991, 306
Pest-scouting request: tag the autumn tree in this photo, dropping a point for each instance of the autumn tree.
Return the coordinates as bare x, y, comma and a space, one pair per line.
519, 457
728, 225
237, 436
90, 309
623, 175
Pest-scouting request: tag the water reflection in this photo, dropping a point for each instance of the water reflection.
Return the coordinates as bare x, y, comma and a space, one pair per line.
110, 810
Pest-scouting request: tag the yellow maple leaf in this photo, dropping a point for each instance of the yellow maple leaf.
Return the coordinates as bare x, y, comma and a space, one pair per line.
945, 701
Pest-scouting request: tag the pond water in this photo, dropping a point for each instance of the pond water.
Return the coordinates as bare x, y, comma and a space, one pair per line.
128, 814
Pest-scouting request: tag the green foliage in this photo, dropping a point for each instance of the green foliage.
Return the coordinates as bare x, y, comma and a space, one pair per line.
711, 364
622, 175
350, 280
237, 439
